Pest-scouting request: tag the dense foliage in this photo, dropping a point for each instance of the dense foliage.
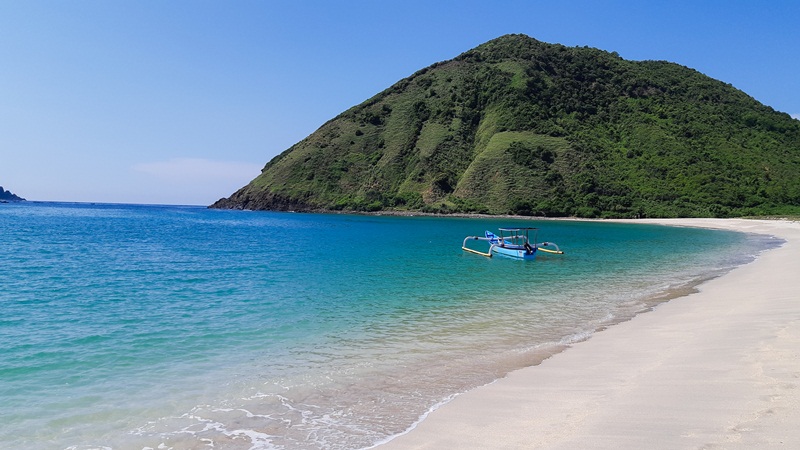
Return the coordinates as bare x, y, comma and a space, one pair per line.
518, 126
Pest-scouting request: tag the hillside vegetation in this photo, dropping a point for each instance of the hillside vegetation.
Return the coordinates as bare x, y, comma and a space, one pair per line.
518, 126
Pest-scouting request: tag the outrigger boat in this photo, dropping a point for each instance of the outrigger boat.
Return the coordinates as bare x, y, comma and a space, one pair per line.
513, 242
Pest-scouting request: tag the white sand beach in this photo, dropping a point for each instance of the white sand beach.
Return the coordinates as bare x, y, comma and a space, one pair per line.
719, 368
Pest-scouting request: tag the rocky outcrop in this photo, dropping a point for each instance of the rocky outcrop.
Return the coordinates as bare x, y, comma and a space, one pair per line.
8, 196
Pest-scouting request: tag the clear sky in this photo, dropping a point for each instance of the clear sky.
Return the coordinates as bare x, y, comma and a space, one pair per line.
184, 101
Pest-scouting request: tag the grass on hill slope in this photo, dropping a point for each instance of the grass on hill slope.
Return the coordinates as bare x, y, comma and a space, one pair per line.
517, 126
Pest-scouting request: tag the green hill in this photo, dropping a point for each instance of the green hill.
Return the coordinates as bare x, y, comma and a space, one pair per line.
518, 126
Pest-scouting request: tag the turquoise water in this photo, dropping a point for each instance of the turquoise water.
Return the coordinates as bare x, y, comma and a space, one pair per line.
125, 326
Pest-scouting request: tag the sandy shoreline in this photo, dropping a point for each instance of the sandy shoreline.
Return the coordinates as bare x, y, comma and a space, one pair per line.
719, 368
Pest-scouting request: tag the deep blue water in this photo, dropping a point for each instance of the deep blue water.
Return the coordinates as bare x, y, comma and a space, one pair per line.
131, 326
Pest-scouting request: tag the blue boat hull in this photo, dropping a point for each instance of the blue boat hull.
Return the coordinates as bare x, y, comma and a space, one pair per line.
514, 252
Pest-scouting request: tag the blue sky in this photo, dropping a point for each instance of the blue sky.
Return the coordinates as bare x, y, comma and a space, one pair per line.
183, 102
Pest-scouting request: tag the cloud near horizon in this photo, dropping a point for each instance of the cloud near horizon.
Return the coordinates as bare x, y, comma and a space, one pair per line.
199, 170
795, 116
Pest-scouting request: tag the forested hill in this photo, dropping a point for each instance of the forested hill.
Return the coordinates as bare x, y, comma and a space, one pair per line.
518, 126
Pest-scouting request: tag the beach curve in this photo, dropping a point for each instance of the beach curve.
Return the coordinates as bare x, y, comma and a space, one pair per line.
719, 368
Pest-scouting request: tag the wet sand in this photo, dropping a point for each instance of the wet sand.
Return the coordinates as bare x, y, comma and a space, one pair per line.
719, 368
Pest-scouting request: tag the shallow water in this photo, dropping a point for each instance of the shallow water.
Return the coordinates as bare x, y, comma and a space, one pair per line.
128, 326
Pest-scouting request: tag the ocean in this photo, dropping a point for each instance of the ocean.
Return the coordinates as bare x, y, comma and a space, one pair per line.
176, 327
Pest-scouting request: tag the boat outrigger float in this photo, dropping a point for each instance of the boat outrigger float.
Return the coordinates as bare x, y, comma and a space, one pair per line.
513, 242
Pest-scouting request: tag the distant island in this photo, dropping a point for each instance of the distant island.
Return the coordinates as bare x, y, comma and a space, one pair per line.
7, 196
519, 126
